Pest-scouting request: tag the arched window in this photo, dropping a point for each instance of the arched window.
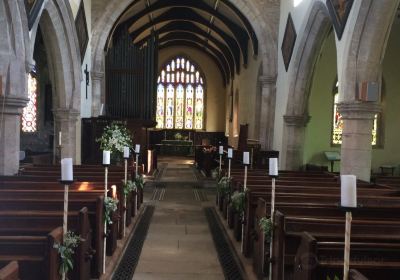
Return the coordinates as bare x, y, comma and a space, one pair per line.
337, 129
180, 96
29, 113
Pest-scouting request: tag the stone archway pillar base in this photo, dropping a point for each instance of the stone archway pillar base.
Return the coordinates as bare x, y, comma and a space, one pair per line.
356, 149
10, 126
294, 133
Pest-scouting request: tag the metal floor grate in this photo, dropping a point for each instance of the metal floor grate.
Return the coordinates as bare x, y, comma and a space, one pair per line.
129, 261
231, 267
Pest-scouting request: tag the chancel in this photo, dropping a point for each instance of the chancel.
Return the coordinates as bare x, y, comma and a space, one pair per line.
199, 139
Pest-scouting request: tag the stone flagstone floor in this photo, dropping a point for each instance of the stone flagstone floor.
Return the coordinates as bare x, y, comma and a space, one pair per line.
179, 244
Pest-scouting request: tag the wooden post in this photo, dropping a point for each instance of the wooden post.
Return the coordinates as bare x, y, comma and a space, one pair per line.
271, 247
220, 164
124, 215
136, 176
65, 218
229, 168
347, 246
105, 222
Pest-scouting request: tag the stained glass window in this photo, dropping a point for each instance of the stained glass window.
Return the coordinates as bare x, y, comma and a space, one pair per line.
180, 96
29, 113
337, 129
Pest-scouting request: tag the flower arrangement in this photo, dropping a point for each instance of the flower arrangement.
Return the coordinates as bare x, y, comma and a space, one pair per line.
110, 205
210, 149
128, 187
223, 186
335, 278
115, 137
266, 225
238, 202
66, 250
139, 182
178, 136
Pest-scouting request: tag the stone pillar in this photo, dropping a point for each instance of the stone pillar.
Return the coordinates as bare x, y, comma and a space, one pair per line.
295, 128
97, 80
267, 114
65, 121
10, 128
356, 149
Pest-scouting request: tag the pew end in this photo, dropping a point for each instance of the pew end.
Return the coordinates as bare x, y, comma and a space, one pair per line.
10, 271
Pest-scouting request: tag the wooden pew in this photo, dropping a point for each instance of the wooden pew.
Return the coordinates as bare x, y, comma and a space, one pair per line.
37, 223
37, 258
53, 201
10, 271
329, 231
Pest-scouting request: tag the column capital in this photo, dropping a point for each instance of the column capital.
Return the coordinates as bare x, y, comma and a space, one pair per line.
63, 114
13, 105
266, 80
296, 120
359, 110
97, 75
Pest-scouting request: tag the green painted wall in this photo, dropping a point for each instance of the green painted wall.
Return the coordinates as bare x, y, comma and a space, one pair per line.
390, 152
318, 131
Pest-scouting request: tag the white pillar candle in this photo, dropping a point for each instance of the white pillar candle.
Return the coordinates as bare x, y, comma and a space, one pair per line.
59, 138
221, 150
273, 167
246, 158
66, 170
230, 153
137, 148
126, 152
348, 191
106, 157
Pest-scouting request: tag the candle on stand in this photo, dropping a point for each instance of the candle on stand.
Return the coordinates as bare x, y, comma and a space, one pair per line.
66, 170
348, 195
348, 189
221, 150
59, 138
273, 172
273, 167
106, 157
246, 158
114, 191
126, 152
230, 153
137, 148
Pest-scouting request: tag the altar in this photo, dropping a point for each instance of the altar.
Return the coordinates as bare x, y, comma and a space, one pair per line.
175, 147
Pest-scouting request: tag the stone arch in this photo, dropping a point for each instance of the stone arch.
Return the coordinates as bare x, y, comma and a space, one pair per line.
57, 24
103, 26
58, 27
361, 61
14, 47
368, 36
296, 116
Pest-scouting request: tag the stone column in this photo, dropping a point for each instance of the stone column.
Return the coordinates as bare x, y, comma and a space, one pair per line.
295, 128
97, 80
267, 114
65, 121
10, 128
356, 149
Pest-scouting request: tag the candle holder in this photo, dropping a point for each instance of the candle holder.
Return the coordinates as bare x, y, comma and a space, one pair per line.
349, 217
124, 202
273, 183
105, 165
66, 184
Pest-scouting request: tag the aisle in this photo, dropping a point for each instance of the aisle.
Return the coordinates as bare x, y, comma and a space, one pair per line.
179, 244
